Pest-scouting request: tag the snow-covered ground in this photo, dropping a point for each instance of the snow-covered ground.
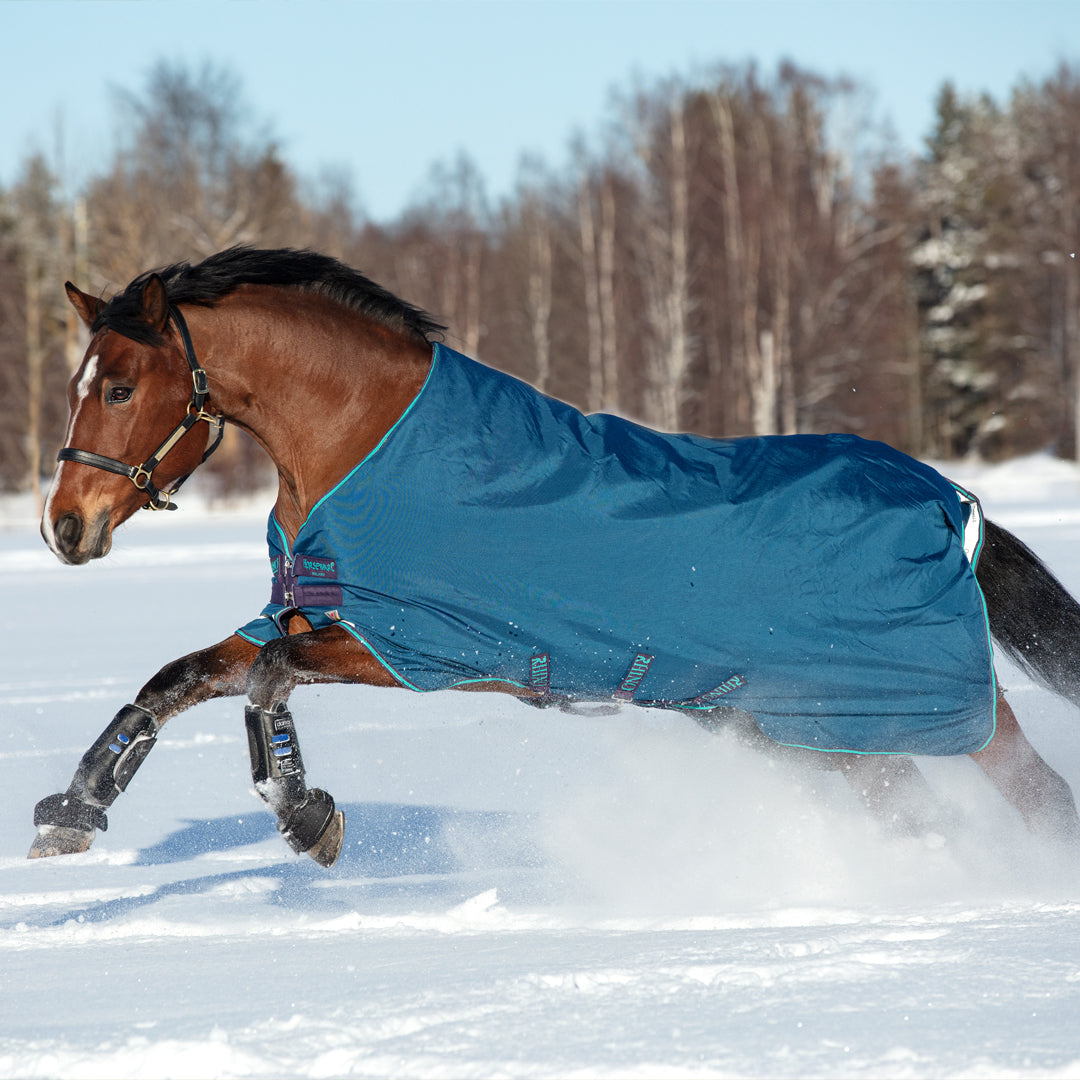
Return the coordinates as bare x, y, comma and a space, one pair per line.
522, 893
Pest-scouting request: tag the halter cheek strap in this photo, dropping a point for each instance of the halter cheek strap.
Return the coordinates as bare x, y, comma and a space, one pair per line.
142, 475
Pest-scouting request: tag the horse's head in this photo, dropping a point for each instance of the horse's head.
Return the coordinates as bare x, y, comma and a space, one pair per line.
131, 399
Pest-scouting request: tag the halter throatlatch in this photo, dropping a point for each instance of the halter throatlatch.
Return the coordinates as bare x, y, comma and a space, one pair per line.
142, 475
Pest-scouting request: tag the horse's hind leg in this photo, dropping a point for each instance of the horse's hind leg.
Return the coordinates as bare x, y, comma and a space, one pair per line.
894, 790
67, 821
889, 786
1043, 798
307, 817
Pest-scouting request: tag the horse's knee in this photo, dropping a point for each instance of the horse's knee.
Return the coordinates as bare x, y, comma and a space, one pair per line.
162, 694
218, 671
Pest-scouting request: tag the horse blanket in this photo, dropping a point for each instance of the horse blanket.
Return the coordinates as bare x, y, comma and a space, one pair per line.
817, 582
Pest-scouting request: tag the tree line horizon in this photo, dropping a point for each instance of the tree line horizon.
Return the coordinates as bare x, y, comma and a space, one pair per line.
738, 254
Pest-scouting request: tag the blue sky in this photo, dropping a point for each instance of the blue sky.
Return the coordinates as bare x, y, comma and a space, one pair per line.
383, 88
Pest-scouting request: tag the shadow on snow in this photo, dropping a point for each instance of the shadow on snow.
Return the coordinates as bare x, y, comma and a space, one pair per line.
390, 851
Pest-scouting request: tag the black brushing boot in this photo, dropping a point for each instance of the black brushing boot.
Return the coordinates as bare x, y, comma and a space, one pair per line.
66, 822
307, 818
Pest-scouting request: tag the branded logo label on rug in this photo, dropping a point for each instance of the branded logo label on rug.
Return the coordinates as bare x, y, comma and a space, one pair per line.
632, 679
318, 568
540, 671
712, 697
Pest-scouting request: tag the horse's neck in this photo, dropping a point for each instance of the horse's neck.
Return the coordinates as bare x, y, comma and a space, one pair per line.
317, 393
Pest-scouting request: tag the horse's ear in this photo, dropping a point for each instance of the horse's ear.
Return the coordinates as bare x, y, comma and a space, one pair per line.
89, 307
155, 303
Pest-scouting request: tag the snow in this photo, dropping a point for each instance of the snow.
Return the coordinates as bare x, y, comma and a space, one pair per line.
523, 893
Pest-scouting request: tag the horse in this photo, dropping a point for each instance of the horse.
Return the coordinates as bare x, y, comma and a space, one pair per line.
402, 466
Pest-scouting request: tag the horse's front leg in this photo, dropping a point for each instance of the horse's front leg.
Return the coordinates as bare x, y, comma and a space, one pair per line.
66, 821
307, 817
1042, 797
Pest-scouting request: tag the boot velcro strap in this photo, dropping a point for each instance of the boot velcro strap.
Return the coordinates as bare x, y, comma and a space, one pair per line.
70, 812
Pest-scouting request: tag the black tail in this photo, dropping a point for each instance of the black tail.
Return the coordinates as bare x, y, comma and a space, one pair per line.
1032, 616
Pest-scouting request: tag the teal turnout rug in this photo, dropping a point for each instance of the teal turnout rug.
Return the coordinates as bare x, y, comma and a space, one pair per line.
822, 583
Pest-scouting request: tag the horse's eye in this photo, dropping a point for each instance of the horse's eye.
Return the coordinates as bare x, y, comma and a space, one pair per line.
117, 395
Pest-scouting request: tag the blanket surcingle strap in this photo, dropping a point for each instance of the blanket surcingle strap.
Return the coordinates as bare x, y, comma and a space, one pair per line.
822, 583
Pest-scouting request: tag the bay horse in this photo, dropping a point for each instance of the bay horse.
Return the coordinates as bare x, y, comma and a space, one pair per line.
441, 525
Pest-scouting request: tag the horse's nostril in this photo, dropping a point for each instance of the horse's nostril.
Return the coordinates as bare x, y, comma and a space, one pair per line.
68, 532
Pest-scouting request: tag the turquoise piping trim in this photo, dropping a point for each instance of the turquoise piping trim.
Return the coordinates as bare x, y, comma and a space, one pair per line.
375, 652
348, 626
281, 533
367, 457
974, 500
993, 670
986, 616
390, 431
844, 750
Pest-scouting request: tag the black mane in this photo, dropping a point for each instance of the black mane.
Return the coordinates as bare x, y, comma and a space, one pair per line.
305, 271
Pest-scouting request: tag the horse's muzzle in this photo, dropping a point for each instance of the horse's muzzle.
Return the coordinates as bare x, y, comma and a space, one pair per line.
74, 542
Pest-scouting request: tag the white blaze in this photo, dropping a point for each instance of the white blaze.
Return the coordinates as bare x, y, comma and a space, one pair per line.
82, 392
83, 387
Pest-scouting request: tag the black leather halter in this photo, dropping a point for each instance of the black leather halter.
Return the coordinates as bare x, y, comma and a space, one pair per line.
141, 475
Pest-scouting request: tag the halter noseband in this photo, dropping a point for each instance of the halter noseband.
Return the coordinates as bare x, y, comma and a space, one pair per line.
140, 475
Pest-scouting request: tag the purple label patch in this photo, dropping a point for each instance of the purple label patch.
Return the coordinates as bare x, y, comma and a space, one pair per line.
323, 596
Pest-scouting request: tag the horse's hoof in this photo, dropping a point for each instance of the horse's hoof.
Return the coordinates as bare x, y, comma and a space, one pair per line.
327, 849
59, 840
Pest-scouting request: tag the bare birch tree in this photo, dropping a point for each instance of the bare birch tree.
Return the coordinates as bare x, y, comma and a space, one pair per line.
743, 254
605, 269
539, 290
190, 179
661, 146
38, 213
1046, 118
594, 327
453, 218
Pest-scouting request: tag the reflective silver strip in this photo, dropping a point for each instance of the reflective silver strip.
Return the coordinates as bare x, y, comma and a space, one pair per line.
973, 528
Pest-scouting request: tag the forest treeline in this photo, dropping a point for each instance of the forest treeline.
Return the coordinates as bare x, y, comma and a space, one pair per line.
733, 255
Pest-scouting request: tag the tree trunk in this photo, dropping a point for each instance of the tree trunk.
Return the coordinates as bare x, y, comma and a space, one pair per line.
35, 364
593, 324
679, 296
606, 290
540, 298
